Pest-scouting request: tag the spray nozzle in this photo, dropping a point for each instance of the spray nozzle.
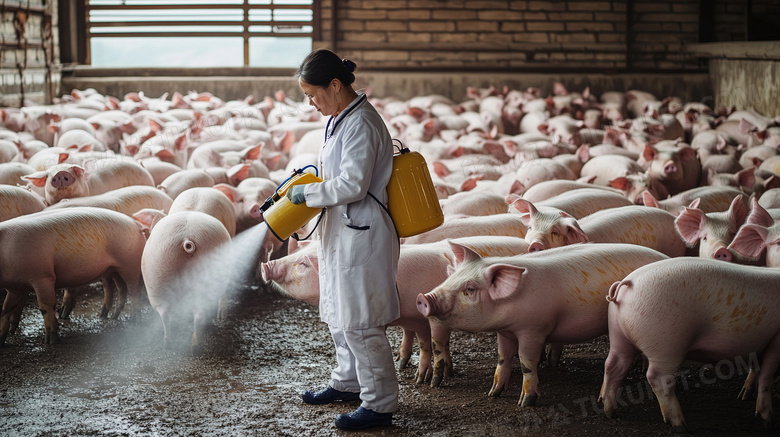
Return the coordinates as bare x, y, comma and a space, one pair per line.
401, 148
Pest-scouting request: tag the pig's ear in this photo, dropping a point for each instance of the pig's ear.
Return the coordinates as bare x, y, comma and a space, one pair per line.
149, 217
696, 202
759, 215
517, 188
504, 280
689, 224
38, 178
314, 262
738, 212
621, 183
649, 153
746, 177
574, 234
463, 253
238, 173
229, 191
750, 240
526, 210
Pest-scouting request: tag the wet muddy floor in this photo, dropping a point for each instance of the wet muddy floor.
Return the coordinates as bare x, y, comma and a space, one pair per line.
112, 377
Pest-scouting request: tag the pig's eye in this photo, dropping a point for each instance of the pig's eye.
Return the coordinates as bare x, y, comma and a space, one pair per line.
555, 233
469, 290
704, 238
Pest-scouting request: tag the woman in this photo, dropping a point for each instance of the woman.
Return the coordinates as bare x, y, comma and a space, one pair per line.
358, 254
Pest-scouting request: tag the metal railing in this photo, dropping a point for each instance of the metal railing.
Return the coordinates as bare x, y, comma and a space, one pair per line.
202, 18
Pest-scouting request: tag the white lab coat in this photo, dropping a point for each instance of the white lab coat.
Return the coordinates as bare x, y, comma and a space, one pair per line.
359, 253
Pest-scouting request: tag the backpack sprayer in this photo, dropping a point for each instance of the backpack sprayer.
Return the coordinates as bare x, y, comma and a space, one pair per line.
412, 202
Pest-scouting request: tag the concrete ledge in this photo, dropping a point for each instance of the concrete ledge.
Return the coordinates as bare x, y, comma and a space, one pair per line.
690, 87
757, 50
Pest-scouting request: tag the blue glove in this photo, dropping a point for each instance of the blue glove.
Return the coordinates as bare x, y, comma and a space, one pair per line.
295, 194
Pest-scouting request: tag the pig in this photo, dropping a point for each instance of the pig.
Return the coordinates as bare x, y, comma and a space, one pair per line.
534, 171
474, 203
182, 180
209, 201
127, 200
11, 173
673, 164
64, 181
497, 224
711, 199
721, 315
758, 233
713, 231
608, 167
632, 224
296, 275
547, 189
59, 249
583, 201
17, 201
553, 296
181, 247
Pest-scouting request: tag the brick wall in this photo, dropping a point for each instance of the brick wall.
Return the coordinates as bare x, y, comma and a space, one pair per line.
574, 35
28, 55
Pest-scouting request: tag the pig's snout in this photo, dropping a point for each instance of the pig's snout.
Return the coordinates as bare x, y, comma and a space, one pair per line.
536, 247
62, 179
268, 271
670, 167
426, 304
723, 254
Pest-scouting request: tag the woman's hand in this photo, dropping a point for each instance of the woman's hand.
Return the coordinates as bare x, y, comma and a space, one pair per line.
295, 194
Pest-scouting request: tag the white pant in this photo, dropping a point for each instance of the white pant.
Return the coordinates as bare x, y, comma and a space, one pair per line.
365, 364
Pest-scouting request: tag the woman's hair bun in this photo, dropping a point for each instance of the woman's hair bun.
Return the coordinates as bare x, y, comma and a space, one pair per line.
349, 65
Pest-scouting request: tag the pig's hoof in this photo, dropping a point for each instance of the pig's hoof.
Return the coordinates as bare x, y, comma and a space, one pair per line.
51, 338
403, 362
746, 393
496, 391
436, 381
681, 429
528, 400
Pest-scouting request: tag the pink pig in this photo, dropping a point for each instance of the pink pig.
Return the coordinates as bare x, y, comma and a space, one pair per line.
758, 233
297, 276
725, 312
17, 201
712, 231
59, 249
553, 296
181, 247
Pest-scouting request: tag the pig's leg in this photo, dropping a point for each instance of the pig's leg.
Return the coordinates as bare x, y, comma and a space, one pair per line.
618, 362
442, 360
222, 307
196, 346
166, 319
119, 285
405, 350
12, 313
660, 374
766, 378
68, 302
749, 387
530, 351
424, 369
554, 353
507, 348
47, 300
108, 295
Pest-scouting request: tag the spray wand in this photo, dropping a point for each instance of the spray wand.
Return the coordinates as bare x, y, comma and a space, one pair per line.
273, 198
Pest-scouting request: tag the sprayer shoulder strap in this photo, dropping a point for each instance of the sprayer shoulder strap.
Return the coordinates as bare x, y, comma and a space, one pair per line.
319, 217
388, 214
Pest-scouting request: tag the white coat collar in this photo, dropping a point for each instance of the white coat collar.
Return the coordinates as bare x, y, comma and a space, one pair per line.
332, 124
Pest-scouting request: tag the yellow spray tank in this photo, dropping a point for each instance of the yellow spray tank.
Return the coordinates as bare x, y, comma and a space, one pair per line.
411, 196
284, 217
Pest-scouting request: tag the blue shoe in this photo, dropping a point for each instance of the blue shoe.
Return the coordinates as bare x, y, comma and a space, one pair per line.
363, 418
328, 395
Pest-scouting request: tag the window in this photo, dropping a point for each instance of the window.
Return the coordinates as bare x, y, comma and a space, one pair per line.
199, 33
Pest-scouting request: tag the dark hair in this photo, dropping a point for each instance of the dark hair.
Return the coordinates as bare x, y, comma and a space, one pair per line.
322, 66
